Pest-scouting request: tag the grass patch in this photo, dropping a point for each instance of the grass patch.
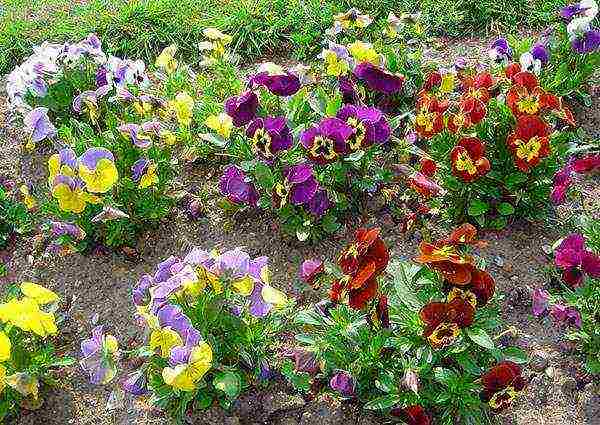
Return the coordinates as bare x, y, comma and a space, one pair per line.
261, 28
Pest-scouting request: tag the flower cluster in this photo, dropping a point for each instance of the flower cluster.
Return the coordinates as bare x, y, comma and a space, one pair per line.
28, 321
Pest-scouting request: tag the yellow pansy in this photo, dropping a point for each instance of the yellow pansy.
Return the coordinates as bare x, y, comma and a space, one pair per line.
71, 196
166, 60
364, 52
110, 344
168, 137
222, 124
142, 108
40, 294
185, 376
26, 315
244, 286
447, 85
215, 34
102, 178
149, 178
183, 105
28, 200
273, 296
335, 66
5, 346
164, 339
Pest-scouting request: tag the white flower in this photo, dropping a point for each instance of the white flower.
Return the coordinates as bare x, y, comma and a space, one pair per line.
529, 63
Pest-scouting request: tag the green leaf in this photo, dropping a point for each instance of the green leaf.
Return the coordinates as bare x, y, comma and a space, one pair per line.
333, 106
382, 403
228, 382
330, 224
65, 361
515, 354
480, 337
505, 208
445, 376
514, 179
264, 176
478, 207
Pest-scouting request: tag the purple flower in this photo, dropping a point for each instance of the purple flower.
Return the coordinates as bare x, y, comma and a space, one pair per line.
100, 354
325, 142
570, 11
539, 301
348, 90
343, 383
500, 51
310, 270
541, 53
38, 126
136, 134
88, 101
588, 42
274, 79
171, 316
575, 260
269, 136
564, 314
235, 262
242, 109
320, 203
237, 187
299, 186
141, 292
379, 80
304, 361
562, 182
67, 229
136, 383
370, 125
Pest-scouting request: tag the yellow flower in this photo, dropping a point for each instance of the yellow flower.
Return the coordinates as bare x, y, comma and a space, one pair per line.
24, 383
5, 347
149, 178
335, 66
164, 339
244, 286
71, 197
215, 34
273, 296
142, 108
102, 178
183, 105
28, 200
447, 85
364, 52
168, 137
185, 376
110, 344
166, 60
26, 315
40, 294
222, 124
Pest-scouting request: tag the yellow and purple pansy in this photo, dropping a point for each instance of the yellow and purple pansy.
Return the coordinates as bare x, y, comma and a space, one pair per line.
97, 169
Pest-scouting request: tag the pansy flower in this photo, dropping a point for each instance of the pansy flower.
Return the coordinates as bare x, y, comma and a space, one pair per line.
478, 86
361, 262
166, 60
444, 321
100, 355
70, 194
561, 183
136, 134
412, 415
221, 124
183, 106
429, 119
353, 19
501, 385
327, 141
530, 142
26, 314
298, 188
276, 80
237, 187
310, 270
343, 383
143, 172
269, 136
38, 126
454, 266
378, 79
423, 185
468, 160
87, 102
500, 51
370, 125
526, 96
242, 109
187, 366
586, 41
364, 52
576, 260
97, 169
478, 292
64, 162
136, 383
337, 59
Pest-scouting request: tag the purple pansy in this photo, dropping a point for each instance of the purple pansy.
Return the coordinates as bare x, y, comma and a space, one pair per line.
320, 203
540, 52
99, 356
269, 136
277, 81
587, 42
141, 291
38, 126
500, 51
242, 109
564, 314
136, 383
539, 300
575, 260
88, 100
370, 125
237, 187
310, 270
136, 134
348, 90
343, 383
378, 79
139, 168
562, 183
299, 186
325, 142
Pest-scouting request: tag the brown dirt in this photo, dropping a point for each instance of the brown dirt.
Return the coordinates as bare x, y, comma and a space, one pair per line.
100, 284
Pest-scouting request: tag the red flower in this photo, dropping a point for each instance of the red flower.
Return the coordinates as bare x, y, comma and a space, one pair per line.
443, 321
428, 167
529, 143
453, 266
478, 292
478, 87
587, 164
362, 262
412, 415
382, 313
468, 160
526, 97
502, 384
429, 120
464, 234
423, 185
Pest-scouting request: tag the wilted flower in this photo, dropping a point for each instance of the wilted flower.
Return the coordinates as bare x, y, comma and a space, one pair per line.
269, 136
100, 356
276, 80
348, 90
412, 415
530, 142
423, 185
379, 80
97, 169
539, 301
237, 187
143, 172
221, 124
343, 383
38, 126
59, 228
382, 313
216, 44
136, 134
576, 260
327, 141
320, 203
304, 361
468, 160
87, 102
136, 383
109, 213
502, 384
564, 314
370, 125
310, 270
353, 19
411, 381
561, 183
444, 321
242, 109
28, 199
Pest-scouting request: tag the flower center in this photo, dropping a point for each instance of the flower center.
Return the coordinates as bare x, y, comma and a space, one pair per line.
464, 163
359, 135
503, 398
425, 119
444, 334
463, 294
530, 149
529, 105
323, 147
262, 142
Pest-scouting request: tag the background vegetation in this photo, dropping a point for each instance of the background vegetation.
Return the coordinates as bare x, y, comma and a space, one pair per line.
260, 27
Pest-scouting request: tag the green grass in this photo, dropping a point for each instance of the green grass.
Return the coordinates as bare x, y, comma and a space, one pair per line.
261, 28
